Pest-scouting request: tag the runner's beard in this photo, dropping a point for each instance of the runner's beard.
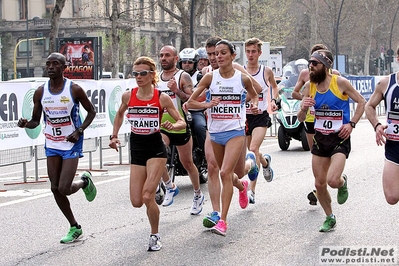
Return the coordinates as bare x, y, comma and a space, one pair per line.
318, 76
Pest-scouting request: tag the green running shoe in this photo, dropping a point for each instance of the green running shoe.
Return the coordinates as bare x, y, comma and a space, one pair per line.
73, 234
343, 194
328, 224
211, 219
90, 189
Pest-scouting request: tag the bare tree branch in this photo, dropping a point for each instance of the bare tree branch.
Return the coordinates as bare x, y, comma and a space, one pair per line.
162, 5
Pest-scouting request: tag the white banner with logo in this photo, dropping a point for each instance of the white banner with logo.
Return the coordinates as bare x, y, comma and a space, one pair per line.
16, 101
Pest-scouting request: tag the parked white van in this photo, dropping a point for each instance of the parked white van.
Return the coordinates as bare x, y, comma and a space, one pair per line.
108, 75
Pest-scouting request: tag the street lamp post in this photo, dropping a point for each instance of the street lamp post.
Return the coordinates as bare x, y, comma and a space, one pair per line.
192, 23
1, 67
27, 37
336, 34
15, 52
390, 41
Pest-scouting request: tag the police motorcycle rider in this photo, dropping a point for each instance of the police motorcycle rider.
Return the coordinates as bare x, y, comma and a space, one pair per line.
188, 61
301, 64
292, 71
203, 59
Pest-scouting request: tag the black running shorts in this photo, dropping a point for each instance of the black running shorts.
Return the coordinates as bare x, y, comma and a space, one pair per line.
328, 145
253, 121
145, 147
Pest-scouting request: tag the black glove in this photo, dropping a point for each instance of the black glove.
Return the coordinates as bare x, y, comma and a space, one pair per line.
199, 76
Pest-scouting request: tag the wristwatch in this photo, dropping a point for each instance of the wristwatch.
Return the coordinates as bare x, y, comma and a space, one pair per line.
353, 124
80, 130
113, 137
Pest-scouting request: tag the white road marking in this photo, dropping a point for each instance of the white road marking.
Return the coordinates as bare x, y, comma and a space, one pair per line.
46, 194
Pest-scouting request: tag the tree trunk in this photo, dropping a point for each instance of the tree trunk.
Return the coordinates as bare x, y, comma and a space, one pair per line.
184, 18
370, 33
55, 21
185, 31
314, 29
366, 60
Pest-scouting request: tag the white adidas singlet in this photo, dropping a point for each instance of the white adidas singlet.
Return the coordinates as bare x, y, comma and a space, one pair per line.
229, 114
61, 116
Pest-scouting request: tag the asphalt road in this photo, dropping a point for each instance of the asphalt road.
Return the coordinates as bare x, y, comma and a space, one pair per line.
280, 229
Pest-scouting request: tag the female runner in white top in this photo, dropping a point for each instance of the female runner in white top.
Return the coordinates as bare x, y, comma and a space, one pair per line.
226, 93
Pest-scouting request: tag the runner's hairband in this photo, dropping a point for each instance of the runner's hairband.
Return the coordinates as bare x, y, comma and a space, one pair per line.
323, 59
229, 44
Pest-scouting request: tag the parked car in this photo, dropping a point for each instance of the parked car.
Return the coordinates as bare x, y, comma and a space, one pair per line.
108, 75
29, 79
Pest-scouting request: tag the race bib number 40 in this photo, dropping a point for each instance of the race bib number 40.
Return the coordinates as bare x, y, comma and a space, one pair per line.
328, 121
393, 126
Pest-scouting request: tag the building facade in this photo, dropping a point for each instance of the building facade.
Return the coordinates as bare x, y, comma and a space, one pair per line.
143, 23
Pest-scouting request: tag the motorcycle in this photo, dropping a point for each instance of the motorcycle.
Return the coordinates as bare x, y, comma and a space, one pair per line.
175, 168
288, 107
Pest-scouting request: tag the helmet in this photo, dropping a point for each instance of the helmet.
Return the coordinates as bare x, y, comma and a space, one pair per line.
202, 53
188, 54
287, 71
301, 64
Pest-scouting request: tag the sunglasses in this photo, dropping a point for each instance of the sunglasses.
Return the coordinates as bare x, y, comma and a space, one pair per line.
187, 62
314, 62
141, 73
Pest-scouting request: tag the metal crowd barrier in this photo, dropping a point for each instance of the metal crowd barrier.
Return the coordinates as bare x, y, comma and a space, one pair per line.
89, 146
39, 155
17, 156
273, 129
104, 142
25, 154
380, 109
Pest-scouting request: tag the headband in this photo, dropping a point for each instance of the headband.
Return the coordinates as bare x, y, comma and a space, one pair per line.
323, 59
229, 44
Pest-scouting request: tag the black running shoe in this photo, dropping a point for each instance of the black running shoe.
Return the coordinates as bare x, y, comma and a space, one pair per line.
312, 198
160, 194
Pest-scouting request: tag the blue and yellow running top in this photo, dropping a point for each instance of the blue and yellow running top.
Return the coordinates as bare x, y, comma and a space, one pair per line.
332, 99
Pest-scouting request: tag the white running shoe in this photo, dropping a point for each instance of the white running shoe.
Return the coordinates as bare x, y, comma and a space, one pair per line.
251, 196
198, 201
169, 195
154, 244
268, 171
